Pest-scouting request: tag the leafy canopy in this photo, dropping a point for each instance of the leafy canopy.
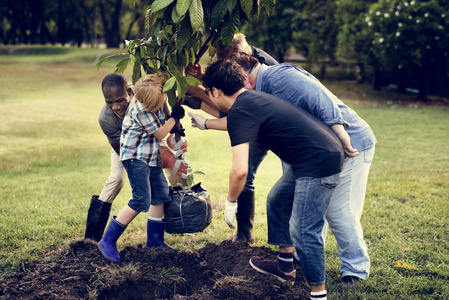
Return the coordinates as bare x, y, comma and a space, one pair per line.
180, 32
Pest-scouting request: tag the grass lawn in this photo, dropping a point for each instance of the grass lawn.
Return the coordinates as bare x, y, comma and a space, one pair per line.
54, 156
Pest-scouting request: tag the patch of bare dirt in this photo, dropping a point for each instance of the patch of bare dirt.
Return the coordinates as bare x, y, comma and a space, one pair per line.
213, 272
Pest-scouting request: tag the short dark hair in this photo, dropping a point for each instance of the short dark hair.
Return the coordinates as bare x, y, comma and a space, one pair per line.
225, 75
114, 79
247, 62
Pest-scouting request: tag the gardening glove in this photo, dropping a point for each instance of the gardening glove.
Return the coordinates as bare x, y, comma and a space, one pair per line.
198, 121
180, 147
177, 113
178, 166
179, 130
230, 212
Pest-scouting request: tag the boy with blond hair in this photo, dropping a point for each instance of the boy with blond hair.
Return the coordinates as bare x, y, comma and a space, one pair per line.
144, 125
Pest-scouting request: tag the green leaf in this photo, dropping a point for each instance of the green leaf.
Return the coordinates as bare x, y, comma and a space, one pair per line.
231, 5
180, 59
183, 35
182, 6
192, 81
236, 19
165, 37
169, 84
171, 94
189, 180
181, 86
156, 27
227, 31
268, 5
137, 71
121, 66
196, 15
247, 6
173, 68
186, 53
230, 26
160, 5
148, 20
199, 172
106, 57
218, 13
174, 16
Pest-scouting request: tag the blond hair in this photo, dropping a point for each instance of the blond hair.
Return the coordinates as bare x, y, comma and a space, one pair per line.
148, 91
239, 44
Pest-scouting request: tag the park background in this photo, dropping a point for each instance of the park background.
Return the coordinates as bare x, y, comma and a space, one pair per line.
53, 155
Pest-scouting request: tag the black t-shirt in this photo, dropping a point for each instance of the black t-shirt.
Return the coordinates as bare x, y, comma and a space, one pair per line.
297, 137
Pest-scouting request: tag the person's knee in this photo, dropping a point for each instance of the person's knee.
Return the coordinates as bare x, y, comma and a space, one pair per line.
116, 179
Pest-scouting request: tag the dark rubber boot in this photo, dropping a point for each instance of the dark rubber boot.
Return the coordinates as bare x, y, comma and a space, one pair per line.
155, 233
97, 217
245, 217
108, 244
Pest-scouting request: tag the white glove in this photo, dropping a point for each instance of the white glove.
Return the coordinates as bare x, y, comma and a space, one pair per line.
230, 212
180, 147
198, 121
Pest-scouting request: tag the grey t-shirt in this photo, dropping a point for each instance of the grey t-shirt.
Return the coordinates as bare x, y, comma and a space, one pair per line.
111, 124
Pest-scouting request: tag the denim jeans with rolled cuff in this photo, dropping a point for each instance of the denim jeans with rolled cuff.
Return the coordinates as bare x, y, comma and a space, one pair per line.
148, 184
309, 198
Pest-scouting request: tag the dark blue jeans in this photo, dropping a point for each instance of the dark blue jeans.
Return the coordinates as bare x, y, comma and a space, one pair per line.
148, 185
296, 208
257, 153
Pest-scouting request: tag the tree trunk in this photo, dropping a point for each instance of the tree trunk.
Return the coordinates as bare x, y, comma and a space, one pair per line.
360, 72
112, 32
62, 37
423, 84
402, 80
376, 79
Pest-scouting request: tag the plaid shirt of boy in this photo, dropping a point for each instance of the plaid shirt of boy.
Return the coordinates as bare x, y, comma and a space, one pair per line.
137, 140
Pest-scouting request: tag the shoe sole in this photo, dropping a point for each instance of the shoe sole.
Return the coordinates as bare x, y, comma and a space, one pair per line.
291, 282
105, 256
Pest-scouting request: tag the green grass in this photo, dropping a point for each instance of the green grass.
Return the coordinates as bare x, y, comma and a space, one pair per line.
53, 157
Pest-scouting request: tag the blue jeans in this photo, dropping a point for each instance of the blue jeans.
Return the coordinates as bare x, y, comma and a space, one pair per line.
148, 185
344, 214
305, 219
257, 153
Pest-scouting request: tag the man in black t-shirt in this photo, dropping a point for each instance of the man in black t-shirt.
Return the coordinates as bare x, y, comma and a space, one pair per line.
257, 152
312, 151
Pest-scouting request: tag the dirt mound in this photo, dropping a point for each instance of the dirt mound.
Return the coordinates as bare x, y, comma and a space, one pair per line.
213, 272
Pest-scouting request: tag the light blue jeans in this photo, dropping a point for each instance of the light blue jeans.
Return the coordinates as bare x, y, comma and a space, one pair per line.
304, 222
344, 214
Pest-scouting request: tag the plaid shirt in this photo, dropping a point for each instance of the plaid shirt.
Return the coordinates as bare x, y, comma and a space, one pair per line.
137, 140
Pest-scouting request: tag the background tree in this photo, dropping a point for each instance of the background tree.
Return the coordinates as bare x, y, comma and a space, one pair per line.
110, 12
315, 32
180, 32
411, 38
274, 34
353, 38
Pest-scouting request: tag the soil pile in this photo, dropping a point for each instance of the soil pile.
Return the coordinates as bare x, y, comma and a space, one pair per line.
213, 272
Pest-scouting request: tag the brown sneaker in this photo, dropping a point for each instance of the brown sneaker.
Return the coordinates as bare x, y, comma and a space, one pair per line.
271, 267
